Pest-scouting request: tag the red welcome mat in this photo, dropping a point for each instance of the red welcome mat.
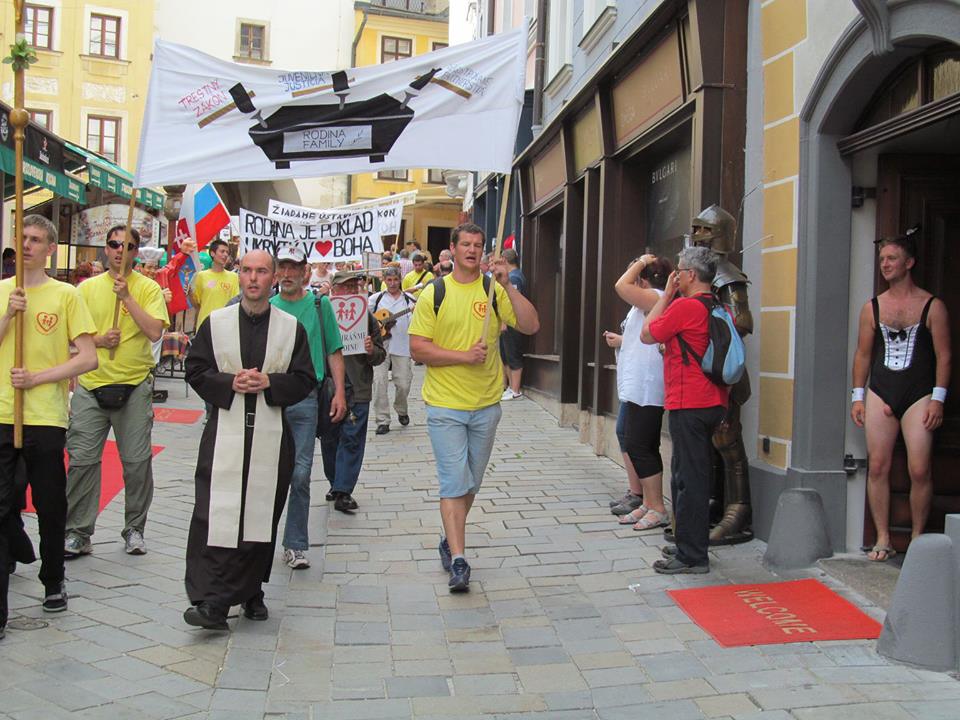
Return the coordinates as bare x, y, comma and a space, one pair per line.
111, 475
774, 613
175, 415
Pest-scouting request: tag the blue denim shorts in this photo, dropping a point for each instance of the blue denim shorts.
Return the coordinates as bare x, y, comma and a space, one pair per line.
462, 442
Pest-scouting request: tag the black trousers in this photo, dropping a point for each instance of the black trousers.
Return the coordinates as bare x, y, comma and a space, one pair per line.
691, 470
42, 455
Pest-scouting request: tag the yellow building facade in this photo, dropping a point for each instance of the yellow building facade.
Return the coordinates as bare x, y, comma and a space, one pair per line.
385, 34
89, 85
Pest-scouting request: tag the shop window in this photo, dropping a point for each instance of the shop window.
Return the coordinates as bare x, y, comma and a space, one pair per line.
38, 26
922, 80
251, 41
103, 136
104, 36
402, 175
43, 118
395, 48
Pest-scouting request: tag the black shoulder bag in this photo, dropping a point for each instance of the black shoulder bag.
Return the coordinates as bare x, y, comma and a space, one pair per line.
328, 388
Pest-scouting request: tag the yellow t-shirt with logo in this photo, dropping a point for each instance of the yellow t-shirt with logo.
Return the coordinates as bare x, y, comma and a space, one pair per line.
55, 316
134, 355
411, 279
458, 327
213, 290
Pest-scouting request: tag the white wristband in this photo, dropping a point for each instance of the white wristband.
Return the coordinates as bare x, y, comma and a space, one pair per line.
857, 395
939, 394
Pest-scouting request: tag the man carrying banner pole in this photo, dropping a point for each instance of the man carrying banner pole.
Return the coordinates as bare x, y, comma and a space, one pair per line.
464, 379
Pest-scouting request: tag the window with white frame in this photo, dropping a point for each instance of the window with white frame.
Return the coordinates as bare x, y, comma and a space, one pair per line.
103, 136
104, 36
559, 37
598, 17
38, 26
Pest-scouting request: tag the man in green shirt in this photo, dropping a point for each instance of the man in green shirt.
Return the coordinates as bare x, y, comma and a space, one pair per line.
316, 316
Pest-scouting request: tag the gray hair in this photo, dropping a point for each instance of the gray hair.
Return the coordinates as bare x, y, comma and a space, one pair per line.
391, 271
702, 260
41, 222
510, 255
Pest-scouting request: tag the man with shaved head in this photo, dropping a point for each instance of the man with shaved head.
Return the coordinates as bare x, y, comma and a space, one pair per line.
249, 361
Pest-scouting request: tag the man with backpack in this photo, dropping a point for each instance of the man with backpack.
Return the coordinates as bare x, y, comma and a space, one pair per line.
399, 304
696, 403
464, 380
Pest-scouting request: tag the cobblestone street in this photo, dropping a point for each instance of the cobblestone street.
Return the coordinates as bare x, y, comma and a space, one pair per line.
565, 618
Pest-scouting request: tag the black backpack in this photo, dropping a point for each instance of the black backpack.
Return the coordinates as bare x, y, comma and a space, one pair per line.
440, 291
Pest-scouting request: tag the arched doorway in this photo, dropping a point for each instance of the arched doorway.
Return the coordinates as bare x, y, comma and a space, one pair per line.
854, 149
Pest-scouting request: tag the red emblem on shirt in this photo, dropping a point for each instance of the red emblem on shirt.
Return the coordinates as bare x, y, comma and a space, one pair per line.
46, 322
480, 309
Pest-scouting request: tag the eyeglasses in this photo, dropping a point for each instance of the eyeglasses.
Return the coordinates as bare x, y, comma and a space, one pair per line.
116, 245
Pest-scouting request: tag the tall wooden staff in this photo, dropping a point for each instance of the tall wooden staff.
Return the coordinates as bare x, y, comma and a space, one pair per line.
19, 118
123, 262
496, 255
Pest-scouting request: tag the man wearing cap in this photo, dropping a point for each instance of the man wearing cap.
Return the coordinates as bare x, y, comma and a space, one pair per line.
396, 302
420, 275
315, 314
344, 446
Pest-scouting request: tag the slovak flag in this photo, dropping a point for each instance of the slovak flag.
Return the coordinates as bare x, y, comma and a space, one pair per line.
202, 215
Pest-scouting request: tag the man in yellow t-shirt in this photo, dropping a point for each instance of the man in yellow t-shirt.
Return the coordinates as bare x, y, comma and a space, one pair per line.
118, 395
464, 381
54, 317
420, 275
214, 288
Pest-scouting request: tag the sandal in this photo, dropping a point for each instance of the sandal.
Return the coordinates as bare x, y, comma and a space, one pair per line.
874, 555
633, 516
652, 519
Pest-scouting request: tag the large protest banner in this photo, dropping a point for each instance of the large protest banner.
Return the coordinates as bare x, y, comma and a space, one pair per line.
208, 120
343, 238
389, 211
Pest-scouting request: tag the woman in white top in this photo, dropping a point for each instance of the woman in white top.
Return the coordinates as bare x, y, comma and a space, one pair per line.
640, 389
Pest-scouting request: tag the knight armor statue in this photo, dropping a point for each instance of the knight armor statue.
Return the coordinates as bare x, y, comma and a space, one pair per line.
716, 229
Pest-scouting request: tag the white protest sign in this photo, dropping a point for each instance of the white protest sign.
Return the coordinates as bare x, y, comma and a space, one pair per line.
351, 314
344, 238
390, 211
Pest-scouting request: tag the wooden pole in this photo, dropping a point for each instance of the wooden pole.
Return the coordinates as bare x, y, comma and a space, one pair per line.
19, 118
123, 261
504, 201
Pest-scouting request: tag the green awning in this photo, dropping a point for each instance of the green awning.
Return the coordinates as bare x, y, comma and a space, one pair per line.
37, 174
115, 179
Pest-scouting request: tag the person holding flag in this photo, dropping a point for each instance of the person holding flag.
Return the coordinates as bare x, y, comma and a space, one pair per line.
56, 316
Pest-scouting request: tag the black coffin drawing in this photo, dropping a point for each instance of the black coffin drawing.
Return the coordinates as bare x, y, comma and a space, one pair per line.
347, 129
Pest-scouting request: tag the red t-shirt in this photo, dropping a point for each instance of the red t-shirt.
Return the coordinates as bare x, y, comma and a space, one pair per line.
685, 384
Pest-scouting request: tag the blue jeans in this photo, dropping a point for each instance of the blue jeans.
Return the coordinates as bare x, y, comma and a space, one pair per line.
343, 449
462, 441
302, 419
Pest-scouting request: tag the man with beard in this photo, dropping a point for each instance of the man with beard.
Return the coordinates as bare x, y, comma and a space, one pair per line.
260, 353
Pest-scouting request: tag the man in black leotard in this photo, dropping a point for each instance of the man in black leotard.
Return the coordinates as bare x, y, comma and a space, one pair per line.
904, 346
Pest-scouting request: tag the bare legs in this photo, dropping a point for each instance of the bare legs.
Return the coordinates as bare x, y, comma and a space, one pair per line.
882, 429
453, 513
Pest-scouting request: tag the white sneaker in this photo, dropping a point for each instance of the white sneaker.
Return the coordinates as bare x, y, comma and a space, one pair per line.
134, 544
509, 394
297, 559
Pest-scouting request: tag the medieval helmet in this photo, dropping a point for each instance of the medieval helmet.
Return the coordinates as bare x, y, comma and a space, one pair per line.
722, 226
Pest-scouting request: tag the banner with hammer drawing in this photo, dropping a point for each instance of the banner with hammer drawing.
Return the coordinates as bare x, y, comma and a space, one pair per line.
208, 120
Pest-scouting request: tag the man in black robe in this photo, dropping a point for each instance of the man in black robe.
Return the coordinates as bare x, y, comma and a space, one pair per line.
252, 350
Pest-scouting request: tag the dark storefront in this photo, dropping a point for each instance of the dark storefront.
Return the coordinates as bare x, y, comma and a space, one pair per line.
657, 134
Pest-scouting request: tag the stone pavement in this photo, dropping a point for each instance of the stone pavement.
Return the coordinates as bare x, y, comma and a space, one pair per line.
565, 618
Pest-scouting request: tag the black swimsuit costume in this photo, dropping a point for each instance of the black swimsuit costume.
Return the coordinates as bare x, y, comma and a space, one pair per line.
904, 365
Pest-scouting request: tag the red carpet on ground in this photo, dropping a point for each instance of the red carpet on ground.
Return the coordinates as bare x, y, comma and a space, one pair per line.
774, 613
176, 415
111, 475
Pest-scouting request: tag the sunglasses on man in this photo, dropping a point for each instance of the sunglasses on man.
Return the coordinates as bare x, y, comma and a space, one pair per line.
117, 244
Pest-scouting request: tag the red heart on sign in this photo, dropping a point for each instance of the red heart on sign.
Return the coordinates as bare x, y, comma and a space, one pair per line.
349, 310
324, 246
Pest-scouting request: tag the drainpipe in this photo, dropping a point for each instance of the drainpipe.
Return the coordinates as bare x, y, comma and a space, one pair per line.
353, 63
539, 66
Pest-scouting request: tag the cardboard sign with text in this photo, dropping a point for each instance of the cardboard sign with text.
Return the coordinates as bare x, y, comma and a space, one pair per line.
351, 314
341, 239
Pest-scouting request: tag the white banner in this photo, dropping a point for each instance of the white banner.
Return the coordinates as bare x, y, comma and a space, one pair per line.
342, 239
208, 120
390, 212
351, 314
